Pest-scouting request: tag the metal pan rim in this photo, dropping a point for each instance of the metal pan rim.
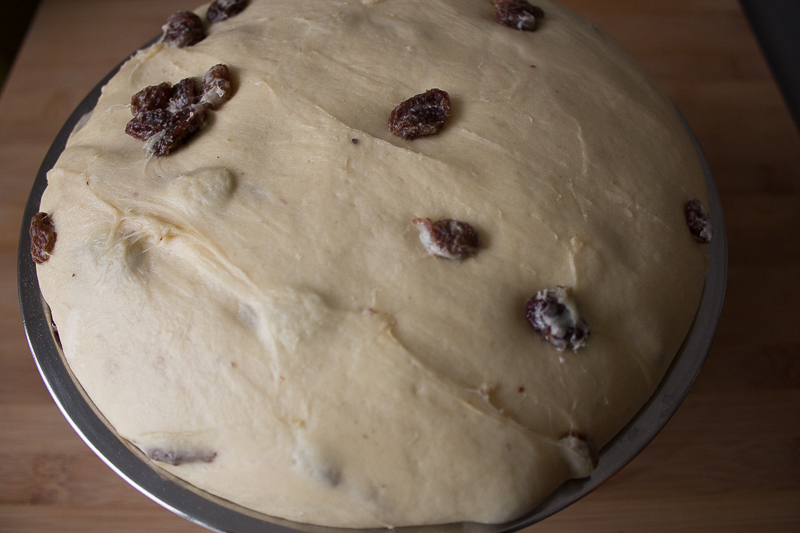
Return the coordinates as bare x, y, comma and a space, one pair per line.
219, 515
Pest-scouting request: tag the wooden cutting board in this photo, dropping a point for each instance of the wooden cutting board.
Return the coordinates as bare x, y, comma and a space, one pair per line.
729, 461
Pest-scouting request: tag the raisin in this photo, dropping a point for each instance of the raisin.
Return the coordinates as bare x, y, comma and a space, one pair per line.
167, 126
166, 130
220, 10
184, 94
698, 221
148, 123
554, 315
583, 455
517, 14
217, 86
184, 29
43, 237
179, 127
420, 115
150, 98
179, 457
451, 239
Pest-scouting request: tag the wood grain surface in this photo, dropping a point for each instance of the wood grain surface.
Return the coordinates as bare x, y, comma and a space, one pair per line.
729, 460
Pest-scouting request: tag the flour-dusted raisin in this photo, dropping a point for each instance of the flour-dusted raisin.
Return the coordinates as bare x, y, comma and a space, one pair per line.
179, 457
217, 86
698, 221
420, 115
517, 14
184, 94
150, 98
184, 29
451, 239
179, 128
581, 454
43, 237
146, 124
220, 10
554, 315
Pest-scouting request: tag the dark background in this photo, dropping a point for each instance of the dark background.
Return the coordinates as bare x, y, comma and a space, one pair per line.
776, 24
15, 17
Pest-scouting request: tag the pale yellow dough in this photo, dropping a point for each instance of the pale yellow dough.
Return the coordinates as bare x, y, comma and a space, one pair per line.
261, 293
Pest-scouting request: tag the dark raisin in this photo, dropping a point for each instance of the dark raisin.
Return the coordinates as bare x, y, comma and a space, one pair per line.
150, 98
420, 115
179, 457
698, 221
184, 94
554, 315
217, 86
43, 237
583, 457
184, 29
517, 14
451, 239
148, 123
179, 128
354, 141
220, 10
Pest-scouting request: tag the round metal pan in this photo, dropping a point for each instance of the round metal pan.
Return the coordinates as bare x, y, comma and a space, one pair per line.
222, 516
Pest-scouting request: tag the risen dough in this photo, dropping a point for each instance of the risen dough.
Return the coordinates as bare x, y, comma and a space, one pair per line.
260, 294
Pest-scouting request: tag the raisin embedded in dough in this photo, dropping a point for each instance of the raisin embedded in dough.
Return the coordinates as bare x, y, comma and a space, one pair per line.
179, 127
553, 314
421, 115
151, 98
184, 94
43, 237
517, 14
183, 29
148, 123
220, 10
217, 86
698, 220
451, 239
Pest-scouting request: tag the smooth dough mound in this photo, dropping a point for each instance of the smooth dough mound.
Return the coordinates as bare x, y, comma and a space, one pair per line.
256, 313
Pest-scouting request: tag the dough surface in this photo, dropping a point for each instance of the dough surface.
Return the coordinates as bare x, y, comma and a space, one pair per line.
259, 298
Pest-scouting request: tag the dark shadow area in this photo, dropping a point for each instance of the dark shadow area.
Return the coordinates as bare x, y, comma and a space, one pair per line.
776, 24
15, 17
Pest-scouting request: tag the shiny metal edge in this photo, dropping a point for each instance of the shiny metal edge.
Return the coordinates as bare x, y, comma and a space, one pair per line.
222, 516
